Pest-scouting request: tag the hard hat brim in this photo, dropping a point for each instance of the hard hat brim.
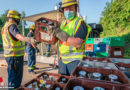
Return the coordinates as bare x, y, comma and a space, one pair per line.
13, 16
69, 4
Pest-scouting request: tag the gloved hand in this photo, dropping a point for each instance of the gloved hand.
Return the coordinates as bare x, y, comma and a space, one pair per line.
31, 40
56, 31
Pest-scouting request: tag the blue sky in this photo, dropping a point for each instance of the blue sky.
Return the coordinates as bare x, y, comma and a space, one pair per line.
90, 8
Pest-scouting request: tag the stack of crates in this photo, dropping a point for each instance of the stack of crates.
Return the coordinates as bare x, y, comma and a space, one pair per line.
89, 47
115, 46
105, 47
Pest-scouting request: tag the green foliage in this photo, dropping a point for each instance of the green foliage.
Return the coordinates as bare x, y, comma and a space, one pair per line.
116, 20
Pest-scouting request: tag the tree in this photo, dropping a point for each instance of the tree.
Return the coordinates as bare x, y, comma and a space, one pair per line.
116, 20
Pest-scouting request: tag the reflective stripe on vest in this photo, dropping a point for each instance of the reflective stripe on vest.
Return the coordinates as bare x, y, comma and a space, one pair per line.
11, 47
70, 53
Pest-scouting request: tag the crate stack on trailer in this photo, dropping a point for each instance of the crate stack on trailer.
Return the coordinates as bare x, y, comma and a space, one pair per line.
105, 47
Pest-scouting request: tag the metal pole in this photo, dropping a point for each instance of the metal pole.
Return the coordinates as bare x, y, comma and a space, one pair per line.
78, 9
58, 57
23, 26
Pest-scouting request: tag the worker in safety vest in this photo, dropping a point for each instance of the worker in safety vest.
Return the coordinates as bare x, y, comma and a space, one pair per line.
14, 47
31, 50
72, 34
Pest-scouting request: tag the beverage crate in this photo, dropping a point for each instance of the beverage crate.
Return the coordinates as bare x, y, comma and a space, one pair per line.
58, 86
121, 80
97, 64
41, 30
35, 84
98, 40
125, 68
83, 84
89, 47
49, 76
120, 60
89, 41
63, 79
98, 59
99, 47
116, 52
102, 54
116, 41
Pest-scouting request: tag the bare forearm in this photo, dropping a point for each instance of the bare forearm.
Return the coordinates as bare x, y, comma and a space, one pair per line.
21, 37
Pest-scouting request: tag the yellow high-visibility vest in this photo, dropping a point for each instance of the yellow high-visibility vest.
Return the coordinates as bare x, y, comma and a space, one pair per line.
10, 46
69, 53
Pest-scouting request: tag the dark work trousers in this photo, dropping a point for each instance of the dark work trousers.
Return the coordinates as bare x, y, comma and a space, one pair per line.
48, 47
31, 58
15, 71
66, 69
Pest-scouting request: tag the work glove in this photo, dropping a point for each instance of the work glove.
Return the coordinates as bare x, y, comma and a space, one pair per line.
57, 32
31, 40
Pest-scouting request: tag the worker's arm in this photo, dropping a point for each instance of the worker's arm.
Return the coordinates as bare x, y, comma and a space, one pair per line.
16, 35
75, 41
26, 39
79, 36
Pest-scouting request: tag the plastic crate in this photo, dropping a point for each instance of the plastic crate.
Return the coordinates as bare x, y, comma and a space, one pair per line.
101, 54
98, 64
105, 72
98, 59
63, 76
98, 40
89, 47
99, 47
89, 41
116, 52
41, 30
50, 76
126, 71
90, 85
38, 80
116, 41
57, 85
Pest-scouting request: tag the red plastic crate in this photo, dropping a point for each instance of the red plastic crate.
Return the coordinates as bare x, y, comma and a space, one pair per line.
56, 84
63, 76
56, 76
121, 77
90, 84
123, 65
98, 59
40, 30
38, 84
